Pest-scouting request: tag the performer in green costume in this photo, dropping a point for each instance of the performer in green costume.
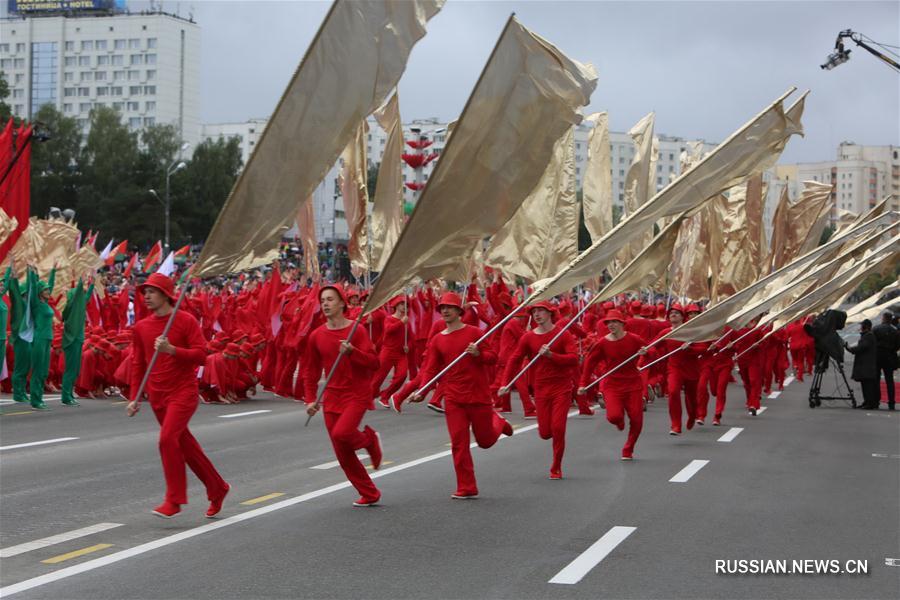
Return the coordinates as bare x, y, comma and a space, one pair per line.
73, 338
42, 313
4, 315
21, 346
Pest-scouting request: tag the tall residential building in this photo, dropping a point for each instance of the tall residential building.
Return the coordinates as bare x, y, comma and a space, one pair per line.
145, 65
247, 134
862, 176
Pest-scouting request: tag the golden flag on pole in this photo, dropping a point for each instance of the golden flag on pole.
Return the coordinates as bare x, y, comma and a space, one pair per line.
709, 324
526, 98
875, 312
387, 208
352, 64
46, 243
543, 234
752, 148
737, 238
306, 229
637, 185
355, 196
7, 225
691, 257
596, 191
809, 217
872, 300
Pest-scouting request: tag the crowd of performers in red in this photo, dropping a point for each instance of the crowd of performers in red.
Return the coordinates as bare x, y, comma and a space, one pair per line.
284, 338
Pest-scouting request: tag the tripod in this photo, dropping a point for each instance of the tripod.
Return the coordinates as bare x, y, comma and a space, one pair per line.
815, 396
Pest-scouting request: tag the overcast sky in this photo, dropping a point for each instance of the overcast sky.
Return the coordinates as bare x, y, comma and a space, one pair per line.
704, 67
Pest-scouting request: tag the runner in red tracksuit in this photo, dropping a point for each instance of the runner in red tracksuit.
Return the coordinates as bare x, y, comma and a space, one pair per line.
750, 363
467, 399
720, 363
395, 341
173, 394
622, 390
553, 378
347, 396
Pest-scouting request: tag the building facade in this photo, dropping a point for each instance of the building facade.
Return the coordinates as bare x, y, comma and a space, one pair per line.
146, 66
247, 134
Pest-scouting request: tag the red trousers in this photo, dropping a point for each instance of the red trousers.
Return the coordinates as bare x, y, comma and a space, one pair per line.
284, 372
622, 402
751, 376
177, 448
675, 383
809, 357
487, 426
346, 438
715, 378
387, 362
552, 416
504, 403
798, 359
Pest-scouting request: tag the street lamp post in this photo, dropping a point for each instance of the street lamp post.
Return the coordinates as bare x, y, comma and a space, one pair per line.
176, 166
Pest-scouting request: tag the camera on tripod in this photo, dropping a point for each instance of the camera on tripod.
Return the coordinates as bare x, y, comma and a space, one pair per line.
829, 349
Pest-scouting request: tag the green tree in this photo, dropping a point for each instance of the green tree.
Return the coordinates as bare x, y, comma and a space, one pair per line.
372, 180
826, 234
55, 176
5, 109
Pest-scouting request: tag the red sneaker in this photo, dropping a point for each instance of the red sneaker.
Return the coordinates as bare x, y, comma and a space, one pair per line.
555, 475
461, 495
395, 403
374, 450
507, 427
627, 456
586, 413
436, 407
383, 402
215, 505
366, 502
167, 510
690, 424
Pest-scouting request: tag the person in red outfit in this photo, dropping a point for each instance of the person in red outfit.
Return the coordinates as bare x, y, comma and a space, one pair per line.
553, 378
682, 372
749, 363
467, 399
622, 389
395, 340
347, 396
714, 376
173, 394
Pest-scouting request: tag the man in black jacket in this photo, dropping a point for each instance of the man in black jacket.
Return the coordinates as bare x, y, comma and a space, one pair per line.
865, 366
887, 342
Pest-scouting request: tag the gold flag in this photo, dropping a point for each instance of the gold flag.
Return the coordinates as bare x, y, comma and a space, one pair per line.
29, 248
353, 63
809, 217
737, 238
637, 185
44, 244
843, 218
387, 208
752, 148
596, 192
874, 312
873, 300
647, 267
7, 225
709, 324
781, 230
306, 229
355, 195
689, 270
543, 234
527, 97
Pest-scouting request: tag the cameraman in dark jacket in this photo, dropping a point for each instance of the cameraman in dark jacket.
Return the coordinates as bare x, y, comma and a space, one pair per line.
865, 366
887, 342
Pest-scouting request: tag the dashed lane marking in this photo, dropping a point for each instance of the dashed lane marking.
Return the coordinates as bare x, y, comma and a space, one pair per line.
731, 434
689, 471
774, 394
265, 498
789, 381
56, 539
590, 558
761, 410
41, 443
21, 412
76, 554
245, 414
886, 455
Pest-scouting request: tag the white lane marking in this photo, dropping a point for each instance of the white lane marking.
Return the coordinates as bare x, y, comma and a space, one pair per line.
41, 443
789, 381
761, 410
877, 415
689, 471
56, 539
109, 559
886, 455
244, 414
774, 394
731, 434
4, 401
590, 558
892, 562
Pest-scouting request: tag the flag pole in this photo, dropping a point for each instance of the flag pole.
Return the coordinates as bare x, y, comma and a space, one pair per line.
611, 371
664, 357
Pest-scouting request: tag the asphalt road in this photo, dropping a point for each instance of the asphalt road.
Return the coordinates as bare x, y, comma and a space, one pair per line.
793, 484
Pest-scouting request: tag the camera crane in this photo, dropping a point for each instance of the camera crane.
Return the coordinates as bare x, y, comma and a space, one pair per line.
842, 55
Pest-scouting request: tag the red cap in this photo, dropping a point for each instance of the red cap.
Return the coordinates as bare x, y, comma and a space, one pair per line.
161, 282
450, 299
677, 307
336, 288
636, 305
608, 305
661, 311
232, 350
693, 308
396, 300
614, 315
543, 304
647, 311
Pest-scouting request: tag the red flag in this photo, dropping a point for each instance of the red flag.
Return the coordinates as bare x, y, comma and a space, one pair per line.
130, 266
15, 190
183, 251
154, 257
120, 249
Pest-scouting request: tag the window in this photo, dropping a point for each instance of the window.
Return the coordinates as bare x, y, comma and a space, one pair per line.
102, 60
6, 63
151, 43
67, 108
83, 91
133, 75
20, 47
134, 122
118, 106
18, 94
118, 75
69, 61
133, 106
659, 181
118, 60
151, 105
115, 91
87, 45
84, 107
671, 156
151, 121
150, 90
134, 44
18, 63
100, 44
70, 46
119, 44
621, 185
135, 90
68, 76
151, 74
150, 59
100, 76
84, 61
621, 160
103, 91
621, 172
82, 123
87, 76
69, 91
621, 197
19, 78
137, 59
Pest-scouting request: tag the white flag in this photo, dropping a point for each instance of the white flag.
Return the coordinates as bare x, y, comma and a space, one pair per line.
168, 265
